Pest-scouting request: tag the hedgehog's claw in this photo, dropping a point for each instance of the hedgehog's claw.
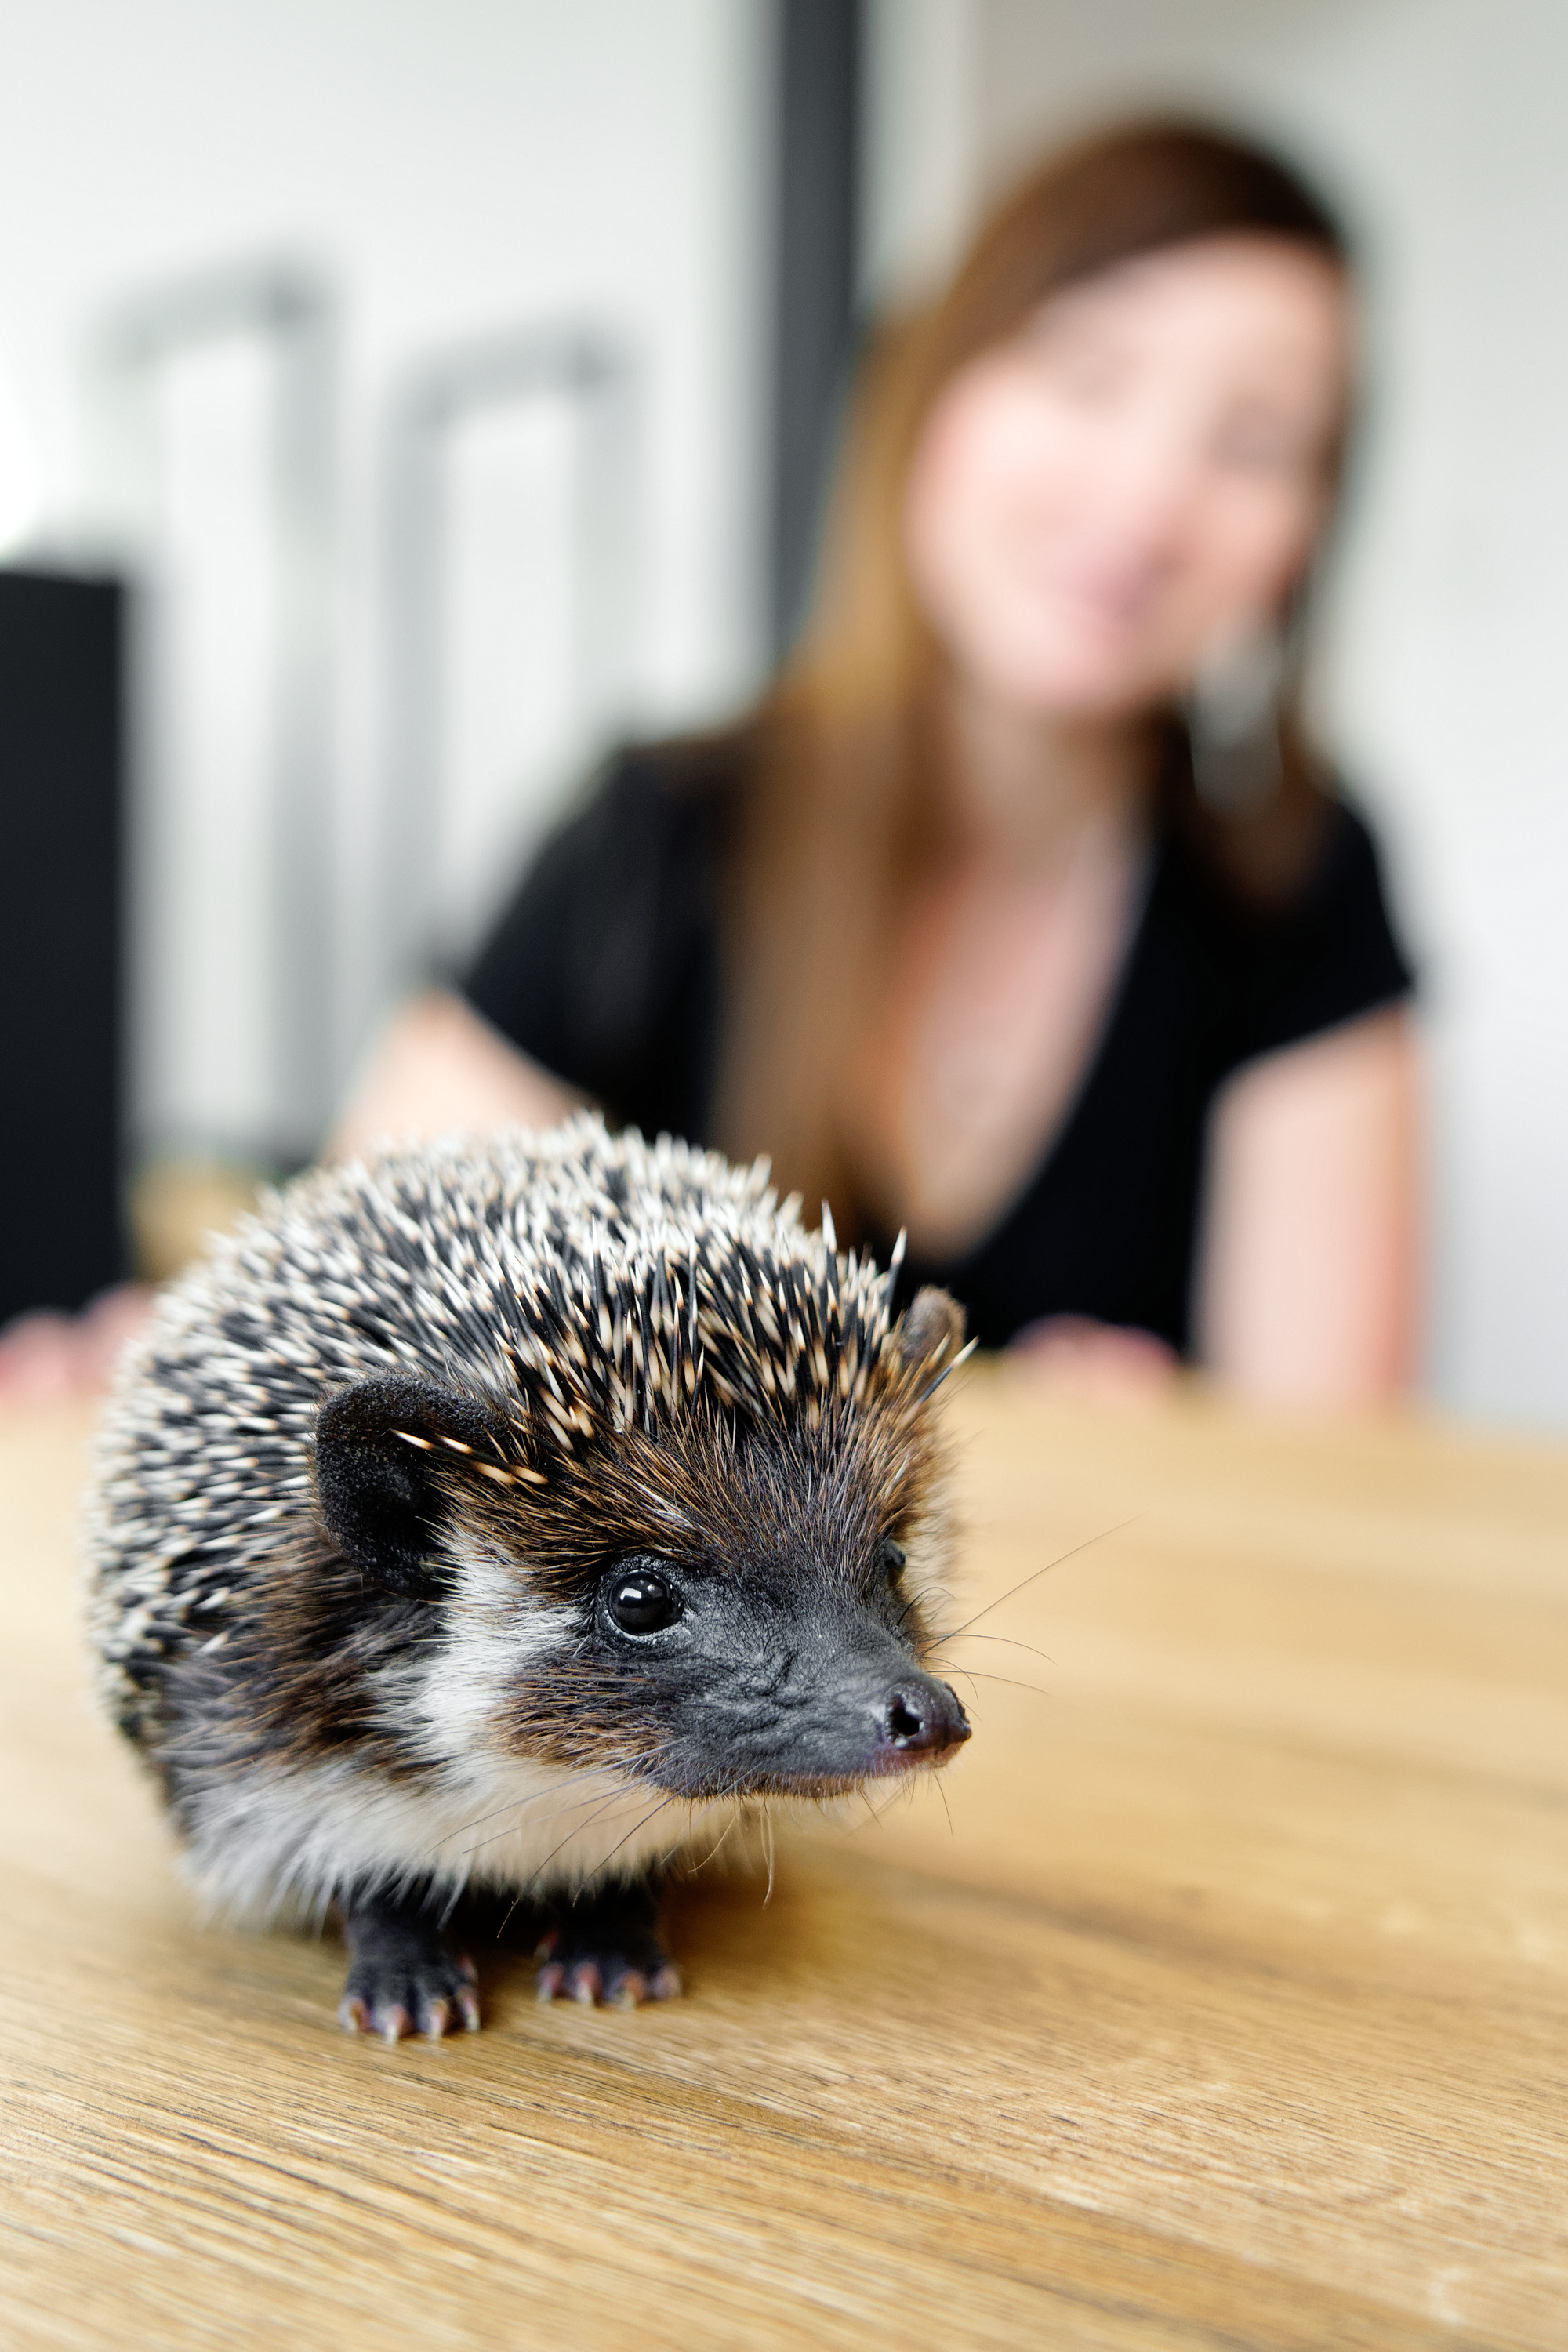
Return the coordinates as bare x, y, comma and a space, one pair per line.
604, 1948
462, 2008
390, 2020
611, 1982
404, 1979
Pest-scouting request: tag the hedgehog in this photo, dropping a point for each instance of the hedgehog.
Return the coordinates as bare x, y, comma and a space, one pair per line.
497, 1522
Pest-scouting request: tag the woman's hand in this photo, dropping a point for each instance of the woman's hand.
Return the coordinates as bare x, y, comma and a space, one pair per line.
48, 1358
1101, 1363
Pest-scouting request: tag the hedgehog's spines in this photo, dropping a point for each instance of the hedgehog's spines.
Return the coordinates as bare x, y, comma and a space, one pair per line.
580, 1286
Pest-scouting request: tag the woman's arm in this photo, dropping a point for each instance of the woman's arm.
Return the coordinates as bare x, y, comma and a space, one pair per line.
437, 1068
1309, 1280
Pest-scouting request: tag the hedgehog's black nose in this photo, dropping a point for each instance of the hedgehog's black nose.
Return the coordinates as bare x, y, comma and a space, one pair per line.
921, 1720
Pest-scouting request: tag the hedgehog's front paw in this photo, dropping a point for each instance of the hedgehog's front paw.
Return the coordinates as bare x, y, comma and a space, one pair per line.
404, 1979
614, 1977
607, 1951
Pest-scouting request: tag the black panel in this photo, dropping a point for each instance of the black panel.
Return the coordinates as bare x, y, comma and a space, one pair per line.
61, 771
819, 65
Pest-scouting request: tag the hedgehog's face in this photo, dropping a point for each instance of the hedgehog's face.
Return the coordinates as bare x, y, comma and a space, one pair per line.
756, 1625
794, 1664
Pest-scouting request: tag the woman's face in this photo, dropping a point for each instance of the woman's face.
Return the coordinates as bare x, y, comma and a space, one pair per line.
1133, 481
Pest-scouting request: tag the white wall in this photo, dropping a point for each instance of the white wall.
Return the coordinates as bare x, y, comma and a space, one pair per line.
1443, 125
460, 165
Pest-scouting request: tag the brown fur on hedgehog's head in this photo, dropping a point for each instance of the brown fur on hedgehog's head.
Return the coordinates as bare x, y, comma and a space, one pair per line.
680, 1513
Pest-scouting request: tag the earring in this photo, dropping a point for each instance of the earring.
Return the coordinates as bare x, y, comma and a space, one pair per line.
1233, 719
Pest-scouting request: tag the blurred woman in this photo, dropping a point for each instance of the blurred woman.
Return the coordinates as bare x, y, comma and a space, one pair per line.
1022, 913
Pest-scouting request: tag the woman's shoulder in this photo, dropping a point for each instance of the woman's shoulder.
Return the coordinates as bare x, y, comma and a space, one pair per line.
1319, 947
1343, 869
677, 784
608, 940
642, 849
643, 831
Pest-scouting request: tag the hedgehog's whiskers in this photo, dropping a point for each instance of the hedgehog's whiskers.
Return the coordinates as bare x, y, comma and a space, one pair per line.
515, 1806
737, 1813
521, 1806
1024, 1582
636, 1827
972, 1674
1009, 1640
580, 1830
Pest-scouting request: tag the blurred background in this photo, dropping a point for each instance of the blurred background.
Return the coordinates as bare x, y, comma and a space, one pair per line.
399, 403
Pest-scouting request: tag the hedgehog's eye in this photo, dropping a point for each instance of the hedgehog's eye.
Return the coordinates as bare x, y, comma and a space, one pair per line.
891, 1559
641, 1600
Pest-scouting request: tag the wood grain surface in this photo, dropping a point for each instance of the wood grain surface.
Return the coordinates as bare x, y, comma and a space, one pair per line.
1224, 2002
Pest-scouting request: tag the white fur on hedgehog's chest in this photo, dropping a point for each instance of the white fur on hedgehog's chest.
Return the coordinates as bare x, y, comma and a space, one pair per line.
285, 1840
285, 1843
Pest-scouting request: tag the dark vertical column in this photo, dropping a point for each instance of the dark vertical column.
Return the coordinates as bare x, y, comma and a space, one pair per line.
61, 817
820, 45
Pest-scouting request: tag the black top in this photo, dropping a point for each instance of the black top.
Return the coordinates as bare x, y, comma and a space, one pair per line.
606, 968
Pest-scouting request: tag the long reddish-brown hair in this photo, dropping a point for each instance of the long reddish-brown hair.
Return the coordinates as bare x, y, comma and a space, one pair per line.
845, 799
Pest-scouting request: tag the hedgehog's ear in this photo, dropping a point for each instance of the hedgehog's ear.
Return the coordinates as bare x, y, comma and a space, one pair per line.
376, 1447
930, 1330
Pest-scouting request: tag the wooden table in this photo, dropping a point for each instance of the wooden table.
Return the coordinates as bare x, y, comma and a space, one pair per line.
1223, 2002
